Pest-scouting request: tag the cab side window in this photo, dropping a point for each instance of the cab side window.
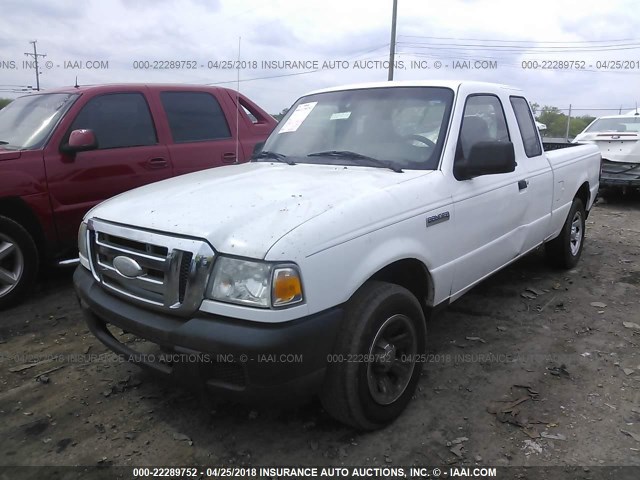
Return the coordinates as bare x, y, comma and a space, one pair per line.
527, 127
118, 120
483, 121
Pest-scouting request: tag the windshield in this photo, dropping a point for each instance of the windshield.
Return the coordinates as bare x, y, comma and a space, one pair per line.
619, 124
27, 121
401, 126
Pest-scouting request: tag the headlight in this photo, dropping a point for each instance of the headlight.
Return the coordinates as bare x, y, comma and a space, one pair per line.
258, 284
82, 245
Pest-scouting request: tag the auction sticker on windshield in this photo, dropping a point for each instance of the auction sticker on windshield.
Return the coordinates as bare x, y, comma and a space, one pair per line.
340, 116
298, 116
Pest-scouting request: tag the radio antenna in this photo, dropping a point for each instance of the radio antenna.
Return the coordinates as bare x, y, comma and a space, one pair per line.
238, 105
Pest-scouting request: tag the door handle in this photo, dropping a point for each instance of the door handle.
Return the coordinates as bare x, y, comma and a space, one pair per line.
158, 162
229, 157
522, 184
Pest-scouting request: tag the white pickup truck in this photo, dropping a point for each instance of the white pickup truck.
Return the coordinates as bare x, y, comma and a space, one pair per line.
312, 268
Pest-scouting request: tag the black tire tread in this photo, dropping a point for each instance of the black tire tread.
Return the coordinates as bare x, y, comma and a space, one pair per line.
556, 249
337, 394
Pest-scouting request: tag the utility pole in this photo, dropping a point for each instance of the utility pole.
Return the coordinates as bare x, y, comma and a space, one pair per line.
566, 137
392, 50
35, 55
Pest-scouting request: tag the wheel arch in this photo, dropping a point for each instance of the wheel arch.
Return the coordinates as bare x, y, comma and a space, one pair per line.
18, 211
412, 274
584, 194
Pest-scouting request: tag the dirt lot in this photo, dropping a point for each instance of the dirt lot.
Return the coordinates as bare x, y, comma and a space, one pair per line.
563, 342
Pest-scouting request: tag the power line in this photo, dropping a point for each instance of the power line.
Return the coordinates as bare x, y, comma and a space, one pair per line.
513, 48
503, 64
295, 73
521, 41
266, 78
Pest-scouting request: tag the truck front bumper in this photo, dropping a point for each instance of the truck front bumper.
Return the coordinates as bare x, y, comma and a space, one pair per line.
618, 174
236, 358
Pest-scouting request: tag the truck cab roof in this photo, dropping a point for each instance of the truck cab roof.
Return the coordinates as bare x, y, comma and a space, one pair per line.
454, 85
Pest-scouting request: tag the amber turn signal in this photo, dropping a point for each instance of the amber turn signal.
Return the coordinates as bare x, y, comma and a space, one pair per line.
287, 287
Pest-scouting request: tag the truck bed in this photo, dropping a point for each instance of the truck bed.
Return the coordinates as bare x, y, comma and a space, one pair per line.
548, 146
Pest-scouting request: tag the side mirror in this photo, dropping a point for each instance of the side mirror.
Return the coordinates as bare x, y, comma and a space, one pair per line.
258, 148
486, 158
81, 141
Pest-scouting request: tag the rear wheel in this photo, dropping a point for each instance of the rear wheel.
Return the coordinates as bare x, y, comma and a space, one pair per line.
564, 251
18, 262
373, 371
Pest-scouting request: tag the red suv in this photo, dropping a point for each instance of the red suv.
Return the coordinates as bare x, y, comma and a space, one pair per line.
64, 151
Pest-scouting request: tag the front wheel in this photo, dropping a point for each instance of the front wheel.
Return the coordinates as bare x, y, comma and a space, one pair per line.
18, 262
374, 369
564, 251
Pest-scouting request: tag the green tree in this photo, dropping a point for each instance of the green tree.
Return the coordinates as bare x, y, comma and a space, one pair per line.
556, 122
278, 116
554, 119
4, 102
578, 124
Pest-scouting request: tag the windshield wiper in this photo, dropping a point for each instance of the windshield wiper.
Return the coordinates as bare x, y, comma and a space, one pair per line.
373, 162
274, 156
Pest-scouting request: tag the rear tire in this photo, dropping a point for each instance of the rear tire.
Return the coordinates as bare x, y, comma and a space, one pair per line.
564, 251
18, 262
374, 371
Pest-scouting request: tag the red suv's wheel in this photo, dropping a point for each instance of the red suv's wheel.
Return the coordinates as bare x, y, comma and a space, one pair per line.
18, 262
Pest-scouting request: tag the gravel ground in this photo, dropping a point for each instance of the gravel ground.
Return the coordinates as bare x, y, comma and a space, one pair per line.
533, 367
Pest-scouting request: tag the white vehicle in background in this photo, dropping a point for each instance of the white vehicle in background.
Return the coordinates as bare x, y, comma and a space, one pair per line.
618, 137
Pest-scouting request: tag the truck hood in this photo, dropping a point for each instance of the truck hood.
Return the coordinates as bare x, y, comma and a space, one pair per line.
6, 154
245, 209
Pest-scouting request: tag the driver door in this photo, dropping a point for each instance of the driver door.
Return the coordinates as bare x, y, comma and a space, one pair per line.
129, 155
489, 209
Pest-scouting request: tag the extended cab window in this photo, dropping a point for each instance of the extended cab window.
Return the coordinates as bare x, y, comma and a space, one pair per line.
527, 127
483, 121
194, 116
248, 113
251, 112
118, 120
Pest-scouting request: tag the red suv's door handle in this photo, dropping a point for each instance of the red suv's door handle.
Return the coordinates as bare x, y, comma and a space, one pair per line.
158, 163
229, 157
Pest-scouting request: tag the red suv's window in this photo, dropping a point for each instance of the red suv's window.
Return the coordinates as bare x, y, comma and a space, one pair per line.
118, 120
194, 116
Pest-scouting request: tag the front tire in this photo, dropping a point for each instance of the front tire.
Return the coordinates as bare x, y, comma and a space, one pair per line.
18, 262
564, 251
374, 373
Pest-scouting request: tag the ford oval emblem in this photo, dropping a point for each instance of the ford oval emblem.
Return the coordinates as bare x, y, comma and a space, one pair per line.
127, 267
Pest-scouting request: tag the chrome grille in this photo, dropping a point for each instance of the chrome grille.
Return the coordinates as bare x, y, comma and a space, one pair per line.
170, 273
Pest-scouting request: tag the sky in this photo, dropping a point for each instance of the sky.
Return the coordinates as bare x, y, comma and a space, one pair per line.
204, 41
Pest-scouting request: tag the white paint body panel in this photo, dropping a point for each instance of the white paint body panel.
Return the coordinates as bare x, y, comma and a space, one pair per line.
341, 225
615, 146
